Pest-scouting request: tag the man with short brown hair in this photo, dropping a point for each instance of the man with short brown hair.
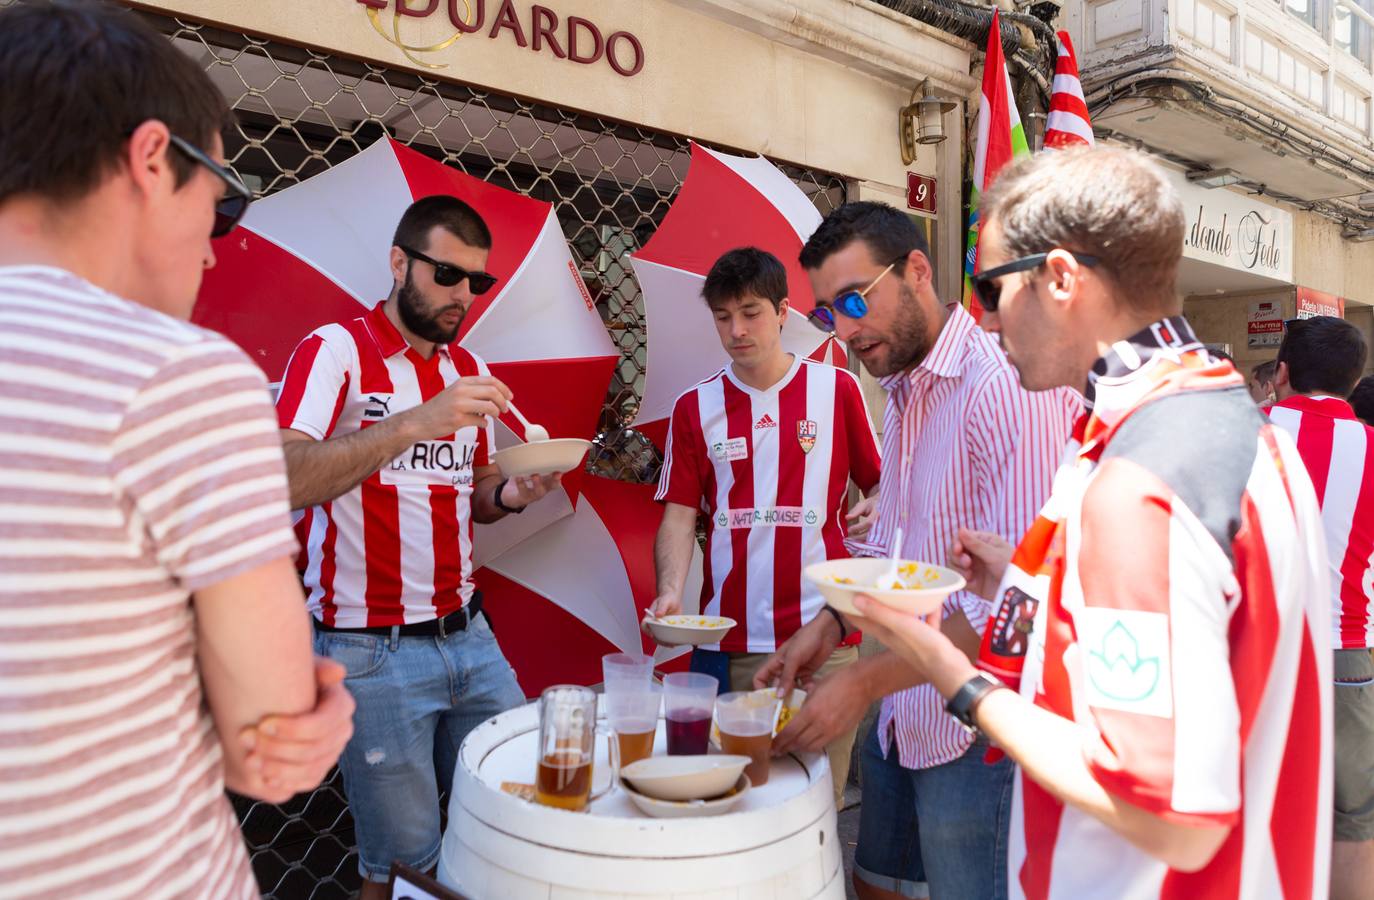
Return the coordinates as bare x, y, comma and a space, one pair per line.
150, 617
1174, 711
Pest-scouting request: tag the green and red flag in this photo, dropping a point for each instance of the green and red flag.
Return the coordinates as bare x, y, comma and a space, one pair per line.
1000, 139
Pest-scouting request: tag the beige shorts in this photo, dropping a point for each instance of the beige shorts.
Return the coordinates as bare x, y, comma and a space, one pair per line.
1354, 720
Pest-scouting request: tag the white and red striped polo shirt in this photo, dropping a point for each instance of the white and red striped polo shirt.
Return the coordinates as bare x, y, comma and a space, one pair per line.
965, 446
1339, 452
397, 549
1172, 602
771, 470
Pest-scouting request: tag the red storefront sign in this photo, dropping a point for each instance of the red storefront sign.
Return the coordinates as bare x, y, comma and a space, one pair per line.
920, 192
573, 38
1317, 303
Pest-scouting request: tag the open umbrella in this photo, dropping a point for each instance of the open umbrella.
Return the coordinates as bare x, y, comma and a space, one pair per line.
577, 589
726, 202
317, 253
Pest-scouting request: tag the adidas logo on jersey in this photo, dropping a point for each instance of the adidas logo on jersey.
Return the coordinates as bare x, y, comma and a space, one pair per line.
765, 422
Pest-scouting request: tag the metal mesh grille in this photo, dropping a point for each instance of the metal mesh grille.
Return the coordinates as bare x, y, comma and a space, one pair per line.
300, 112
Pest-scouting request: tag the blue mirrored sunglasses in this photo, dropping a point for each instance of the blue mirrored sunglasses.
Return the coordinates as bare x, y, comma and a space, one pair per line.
853, 304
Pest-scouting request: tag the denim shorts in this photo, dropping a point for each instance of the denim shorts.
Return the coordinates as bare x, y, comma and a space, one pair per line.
417, 697
938, 832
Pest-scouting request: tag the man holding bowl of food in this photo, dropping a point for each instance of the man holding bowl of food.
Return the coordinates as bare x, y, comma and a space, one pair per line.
386, 425
963, 445
766, 448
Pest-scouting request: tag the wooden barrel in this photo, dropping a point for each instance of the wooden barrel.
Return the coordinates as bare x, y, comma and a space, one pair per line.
780, 841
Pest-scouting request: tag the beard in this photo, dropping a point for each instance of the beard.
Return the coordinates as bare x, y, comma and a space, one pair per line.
908, 342
421, 322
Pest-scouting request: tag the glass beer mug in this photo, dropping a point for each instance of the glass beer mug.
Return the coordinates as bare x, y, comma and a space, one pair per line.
567, 747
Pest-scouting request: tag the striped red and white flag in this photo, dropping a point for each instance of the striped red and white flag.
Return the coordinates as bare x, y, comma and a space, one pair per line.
1069, 124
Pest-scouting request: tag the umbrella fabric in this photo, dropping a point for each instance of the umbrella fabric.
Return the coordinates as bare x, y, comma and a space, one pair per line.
726, 202
577, 589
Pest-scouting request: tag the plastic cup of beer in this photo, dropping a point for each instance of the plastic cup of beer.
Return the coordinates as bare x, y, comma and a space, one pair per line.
688, 698
746, 729
632, 711
631, 668
567, 748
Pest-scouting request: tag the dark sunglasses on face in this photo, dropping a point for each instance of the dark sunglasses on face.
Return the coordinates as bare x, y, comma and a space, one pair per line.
231, 207
853, 304
988, 290
448, 275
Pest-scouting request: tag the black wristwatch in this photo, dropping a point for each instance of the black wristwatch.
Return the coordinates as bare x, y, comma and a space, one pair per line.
964, 703
497, 498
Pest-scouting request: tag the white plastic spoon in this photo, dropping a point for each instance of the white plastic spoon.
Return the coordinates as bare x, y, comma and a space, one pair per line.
890, 580
532, 432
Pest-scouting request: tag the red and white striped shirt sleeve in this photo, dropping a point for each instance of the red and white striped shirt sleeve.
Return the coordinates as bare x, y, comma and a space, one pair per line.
682, 480
314, 388
1155, 603
864, 459
1016, 439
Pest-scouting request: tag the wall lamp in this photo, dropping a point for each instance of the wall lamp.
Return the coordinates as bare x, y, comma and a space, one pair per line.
1214, 178
928, 112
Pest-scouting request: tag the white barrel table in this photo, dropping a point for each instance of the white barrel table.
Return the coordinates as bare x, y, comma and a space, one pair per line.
779, 843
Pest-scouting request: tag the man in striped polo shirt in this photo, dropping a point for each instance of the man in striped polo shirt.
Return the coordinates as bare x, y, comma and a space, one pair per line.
1319, 363
149, 612
963, 444
1166, 617
765, 449
387, 427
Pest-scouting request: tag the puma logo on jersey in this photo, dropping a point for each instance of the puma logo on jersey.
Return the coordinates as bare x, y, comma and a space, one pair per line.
377, 407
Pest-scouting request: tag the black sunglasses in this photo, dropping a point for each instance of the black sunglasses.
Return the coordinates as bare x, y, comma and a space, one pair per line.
989, 292
231, 207
447, 274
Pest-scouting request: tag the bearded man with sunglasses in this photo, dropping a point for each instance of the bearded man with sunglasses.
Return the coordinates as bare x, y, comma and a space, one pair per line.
387, 427
964, 446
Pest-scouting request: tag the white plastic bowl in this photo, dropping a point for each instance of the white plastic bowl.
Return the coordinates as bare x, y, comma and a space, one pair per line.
692, 630
864, 572
689, 809
699, 777
542, 457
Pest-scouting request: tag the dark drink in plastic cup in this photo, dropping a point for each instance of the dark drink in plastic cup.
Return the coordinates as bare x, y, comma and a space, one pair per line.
689, 734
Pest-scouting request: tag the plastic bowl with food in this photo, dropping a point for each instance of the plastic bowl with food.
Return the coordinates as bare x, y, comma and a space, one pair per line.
698, 777
689, 809
924, 585
686, 629
541, 457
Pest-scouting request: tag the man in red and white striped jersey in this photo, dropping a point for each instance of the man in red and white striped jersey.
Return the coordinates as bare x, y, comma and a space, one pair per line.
387, 430
963, 443
1319, 363
1166, 615
765, 449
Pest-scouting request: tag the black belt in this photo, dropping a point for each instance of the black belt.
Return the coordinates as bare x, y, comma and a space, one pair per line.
458, 620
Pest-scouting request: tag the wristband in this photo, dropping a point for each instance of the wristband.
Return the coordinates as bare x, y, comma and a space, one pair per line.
839, 620
497, 498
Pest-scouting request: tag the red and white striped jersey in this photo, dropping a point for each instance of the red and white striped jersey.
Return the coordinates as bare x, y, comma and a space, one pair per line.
771, 470
1171, 601
966, 446
1339, 452
396, 549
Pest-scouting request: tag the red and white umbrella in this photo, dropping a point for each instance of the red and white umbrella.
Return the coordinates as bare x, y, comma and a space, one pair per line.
317, 253
726, 202
584, 582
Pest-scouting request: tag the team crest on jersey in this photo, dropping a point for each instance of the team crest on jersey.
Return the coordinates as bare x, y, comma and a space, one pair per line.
806, 434
1015, 618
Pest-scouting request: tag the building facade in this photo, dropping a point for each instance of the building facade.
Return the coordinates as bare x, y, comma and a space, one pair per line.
1263, 110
